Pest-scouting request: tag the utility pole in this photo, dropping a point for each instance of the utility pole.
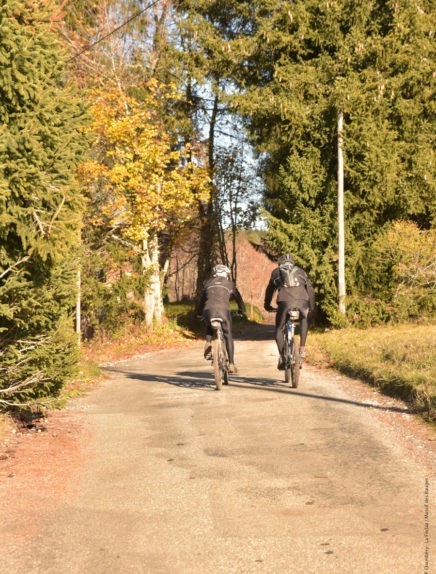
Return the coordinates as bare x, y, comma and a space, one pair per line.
341, 234
78, 307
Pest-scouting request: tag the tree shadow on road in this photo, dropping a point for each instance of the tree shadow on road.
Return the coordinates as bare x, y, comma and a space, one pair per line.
254, 332
187, 380
250, 383
203, 380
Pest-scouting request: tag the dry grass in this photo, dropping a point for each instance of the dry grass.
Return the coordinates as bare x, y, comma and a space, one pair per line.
400, 360
136, 340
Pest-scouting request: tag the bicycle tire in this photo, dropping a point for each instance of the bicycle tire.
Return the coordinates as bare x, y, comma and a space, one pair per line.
217, 363
224, 361
295, 364
286, 356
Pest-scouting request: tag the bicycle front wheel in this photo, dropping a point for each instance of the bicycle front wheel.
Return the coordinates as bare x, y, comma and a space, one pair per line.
295, 364
217, 352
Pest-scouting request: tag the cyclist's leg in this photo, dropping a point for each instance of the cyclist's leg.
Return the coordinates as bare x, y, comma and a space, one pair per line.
282, 310
209, 333
304, 322
227, 331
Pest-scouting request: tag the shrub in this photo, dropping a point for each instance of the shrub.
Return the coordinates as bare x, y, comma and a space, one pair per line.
399, 277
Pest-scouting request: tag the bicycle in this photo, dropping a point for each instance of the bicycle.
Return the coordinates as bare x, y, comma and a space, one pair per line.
220, 360
291, 354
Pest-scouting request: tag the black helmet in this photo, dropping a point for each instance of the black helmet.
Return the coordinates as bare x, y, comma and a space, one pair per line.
286, 258
221, 271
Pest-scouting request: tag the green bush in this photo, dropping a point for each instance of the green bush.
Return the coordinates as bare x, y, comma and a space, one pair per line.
33, 370
366, 311
398, 277
113, 286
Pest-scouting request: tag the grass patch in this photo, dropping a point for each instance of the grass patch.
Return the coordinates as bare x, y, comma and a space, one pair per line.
179, 328
89, 374
399, 360
183, 317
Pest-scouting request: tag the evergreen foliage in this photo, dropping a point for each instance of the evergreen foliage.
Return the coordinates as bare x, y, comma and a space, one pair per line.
296, 65
40, 205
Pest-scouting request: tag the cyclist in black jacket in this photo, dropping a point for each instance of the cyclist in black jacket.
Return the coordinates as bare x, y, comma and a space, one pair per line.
214, 302
294, 291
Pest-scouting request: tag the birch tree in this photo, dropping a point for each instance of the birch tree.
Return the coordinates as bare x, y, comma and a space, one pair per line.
145, 183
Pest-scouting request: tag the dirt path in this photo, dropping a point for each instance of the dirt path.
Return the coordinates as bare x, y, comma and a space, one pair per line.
156, 472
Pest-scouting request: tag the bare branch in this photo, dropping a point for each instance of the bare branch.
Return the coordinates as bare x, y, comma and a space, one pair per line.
35, 378
55, 216
12, 267
38, 222
127, 243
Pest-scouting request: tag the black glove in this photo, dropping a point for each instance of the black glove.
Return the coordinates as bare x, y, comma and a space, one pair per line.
269, 308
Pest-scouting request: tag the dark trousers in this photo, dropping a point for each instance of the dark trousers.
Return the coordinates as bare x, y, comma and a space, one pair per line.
223, 314
282, 311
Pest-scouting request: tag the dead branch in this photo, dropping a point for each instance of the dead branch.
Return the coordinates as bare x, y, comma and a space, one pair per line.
55, 216
38, 222
127, 243
12, 267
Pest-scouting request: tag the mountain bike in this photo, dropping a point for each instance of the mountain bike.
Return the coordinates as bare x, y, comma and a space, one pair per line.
291, 354
220, 360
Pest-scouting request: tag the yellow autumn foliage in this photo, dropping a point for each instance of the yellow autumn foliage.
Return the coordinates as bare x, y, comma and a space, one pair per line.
144, 180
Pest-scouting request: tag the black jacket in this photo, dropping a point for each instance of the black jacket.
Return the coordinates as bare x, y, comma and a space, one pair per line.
304, 291
217, 293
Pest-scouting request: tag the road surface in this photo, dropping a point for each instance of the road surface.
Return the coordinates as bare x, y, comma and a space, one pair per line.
174, 477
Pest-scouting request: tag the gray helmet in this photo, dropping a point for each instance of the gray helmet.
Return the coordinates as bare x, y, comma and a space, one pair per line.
221, 271
286, 258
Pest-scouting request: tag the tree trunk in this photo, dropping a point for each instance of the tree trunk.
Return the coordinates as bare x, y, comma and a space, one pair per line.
156, 282
148, 298
153, 304
207, 215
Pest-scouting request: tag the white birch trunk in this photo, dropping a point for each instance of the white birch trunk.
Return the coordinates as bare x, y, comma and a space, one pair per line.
148, 295
153, 303
156, 285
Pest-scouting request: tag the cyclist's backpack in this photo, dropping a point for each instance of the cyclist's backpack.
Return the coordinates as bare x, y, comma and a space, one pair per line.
288, 275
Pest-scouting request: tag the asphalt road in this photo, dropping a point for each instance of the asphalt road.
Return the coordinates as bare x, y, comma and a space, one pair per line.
179, 478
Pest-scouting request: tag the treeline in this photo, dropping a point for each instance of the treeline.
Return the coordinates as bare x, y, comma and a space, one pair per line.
293, 67
112, 152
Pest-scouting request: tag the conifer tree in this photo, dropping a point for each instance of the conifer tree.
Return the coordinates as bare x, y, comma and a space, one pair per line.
297, 65
40, 205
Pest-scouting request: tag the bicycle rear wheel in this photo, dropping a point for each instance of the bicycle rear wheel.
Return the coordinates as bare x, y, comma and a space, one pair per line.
295, 364
217, 354
287, 359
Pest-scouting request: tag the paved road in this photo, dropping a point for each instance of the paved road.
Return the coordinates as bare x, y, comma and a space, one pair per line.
259, 478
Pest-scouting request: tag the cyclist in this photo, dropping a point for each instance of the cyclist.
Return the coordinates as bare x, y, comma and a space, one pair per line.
294, 291
214, 302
